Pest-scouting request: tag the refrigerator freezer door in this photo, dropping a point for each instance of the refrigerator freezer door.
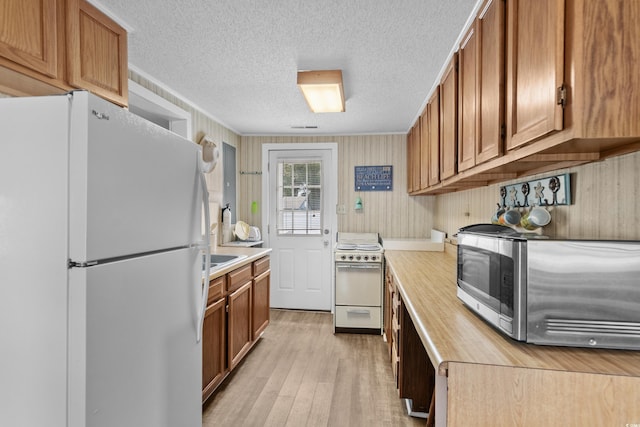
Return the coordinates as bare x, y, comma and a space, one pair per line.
134, 359
134, 187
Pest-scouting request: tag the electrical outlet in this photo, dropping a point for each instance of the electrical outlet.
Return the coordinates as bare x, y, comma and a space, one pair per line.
341, 209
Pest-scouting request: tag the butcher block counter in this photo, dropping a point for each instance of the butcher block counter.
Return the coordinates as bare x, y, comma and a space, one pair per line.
485, 378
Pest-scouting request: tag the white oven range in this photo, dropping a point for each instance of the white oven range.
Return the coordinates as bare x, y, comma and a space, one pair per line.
359, 265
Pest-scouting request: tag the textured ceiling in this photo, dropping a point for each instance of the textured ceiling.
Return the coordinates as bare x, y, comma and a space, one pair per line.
238, 59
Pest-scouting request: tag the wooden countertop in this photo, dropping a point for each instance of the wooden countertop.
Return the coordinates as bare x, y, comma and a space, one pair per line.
450, 332
251, 254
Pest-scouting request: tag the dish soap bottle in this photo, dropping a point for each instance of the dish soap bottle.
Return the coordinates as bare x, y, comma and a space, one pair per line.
226, 224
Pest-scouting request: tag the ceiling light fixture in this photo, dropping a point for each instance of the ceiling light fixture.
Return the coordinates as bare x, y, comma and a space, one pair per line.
322, 90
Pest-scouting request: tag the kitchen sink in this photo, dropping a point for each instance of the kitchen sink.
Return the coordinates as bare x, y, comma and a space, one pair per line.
218, 261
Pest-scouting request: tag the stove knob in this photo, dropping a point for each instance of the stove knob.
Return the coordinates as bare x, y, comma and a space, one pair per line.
366, 257
373, 257
343, 257
350, 257
358, 257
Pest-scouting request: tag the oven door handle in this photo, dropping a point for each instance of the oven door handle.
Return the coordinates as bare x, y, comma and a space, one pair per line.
363, 266
358, 311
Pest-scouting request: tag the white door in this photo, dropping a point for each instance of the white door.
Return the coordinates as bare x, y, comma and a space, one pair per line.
300, 191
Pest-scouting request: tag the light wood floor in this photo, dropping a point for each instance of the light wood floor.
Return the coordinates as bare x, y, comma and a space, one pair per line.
301, 374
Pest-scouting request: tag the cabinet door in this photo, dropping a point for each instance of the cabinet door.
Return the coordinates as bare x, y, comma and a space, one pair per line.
433, 119
409, 162
214, 366
535, 67
415, 155
490, 27
448, 120
424, 149
468, 97
29, 34
96, 52
260, 315
239, 318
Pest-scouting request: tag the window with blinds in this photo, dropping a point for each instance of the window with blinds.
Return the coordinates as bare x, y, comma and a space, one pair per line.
299, 197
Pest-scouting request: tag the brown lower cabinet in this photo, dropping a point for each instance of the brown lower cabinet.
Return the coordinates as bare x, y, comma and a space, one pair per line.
239, 331
214, 368
413, 371
260, 295
236, 315
416, 374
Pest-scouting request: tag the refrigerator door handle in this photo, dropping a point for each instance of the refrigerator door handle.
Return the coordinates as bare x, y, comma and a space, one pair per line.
207, 242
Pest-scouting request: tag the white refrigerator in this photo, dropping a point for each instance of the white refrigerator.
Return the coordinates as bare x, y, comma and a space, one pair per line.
101, 296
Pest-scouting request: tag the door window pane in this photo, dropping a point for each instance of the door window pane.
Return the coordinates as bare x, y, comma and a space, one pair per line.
299, 197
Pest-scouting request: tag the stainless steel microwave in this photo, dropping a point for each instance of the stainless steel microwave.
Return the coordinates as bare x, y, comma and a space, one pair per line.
583, 293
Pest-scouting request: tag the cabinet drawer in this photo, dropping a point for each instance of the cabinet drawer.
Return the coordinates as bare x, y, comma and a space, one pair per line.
260, 266
348, 316
239, 277
216, 289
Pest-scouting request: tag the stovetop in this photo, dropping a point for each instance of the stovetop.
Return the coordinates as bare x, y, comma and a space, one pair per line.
358, 247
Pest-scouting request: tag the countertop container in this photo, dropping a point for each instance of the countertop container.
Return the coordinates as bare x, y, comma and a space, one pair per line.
435, 243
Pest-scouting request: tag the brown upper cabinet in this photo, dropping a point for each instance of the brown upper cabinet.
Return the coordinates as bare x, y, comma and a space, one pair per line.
97, 52
468, 97
413, 158
54, 46
481, 87
490, 25
573, 89
449, 120
543, 85
29, 34
601, 72
409, 151
433, 120
416, 155
535, 69
424, 149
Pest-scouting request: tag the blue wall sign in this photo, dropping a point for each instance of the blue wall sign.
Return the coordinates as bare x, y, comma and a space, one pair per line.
374, 178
